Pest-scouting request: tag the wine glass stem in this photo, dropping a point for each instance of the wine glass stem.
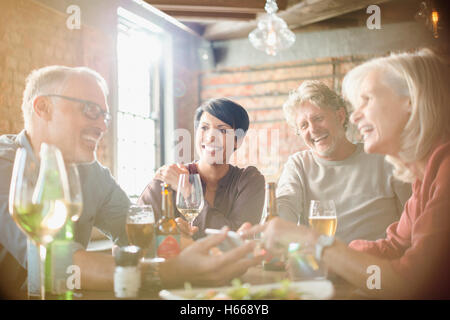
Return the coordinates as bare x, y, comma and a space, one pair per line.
42, 255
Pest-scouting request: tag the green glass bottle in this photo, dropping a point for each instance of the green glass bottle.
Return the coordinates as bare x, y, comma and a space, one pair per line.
59, 258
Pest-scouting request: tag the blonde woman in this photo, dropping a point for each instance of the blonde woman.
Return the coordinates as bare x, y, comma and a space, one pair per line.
401, 110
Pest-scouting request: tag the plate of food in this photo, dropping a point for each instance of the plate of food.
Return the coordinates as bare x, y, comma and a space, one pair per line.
283, 290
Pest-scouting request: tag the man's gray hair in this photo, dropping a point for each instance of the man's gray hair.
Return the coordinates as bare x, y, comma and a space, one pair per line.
52, 80
315, 92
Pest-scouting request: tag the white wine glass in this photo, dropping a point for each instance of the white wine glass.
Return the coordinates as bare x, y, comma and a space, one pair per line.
75, 206
39, 218
190, 199
322, 217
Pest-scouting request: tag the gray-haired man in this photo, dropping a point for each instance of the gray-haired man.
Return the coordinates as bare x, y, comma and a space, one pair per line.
65, 107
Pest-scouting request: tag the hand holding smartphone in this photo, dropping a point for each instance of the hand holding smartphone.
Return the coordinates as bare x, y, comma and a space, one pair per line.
233, 240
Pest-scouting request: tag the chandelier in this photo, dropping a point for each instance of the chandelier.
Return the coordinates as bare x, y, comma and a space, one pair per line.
272, 34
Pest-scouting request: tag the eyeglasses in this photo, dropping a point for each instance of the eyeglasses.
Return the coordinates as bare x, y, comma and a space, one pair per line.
90, 109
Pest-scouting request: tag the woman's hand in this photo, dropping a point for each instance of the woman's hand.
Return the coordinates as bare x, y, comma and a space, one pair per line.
171, 173
185, 228
186, 232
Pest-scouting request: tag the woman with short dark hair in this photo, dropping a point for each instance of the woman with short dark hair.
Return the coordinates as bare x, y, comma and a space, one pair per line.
233, 195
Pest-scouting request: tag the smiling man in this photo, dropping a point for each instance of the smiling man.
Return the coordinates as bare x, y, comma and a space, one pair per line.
65, 107
367, 196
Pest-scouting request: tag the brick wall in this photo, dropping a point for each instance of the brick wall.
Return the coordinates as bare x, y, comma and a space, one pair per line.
33, 36
262, 90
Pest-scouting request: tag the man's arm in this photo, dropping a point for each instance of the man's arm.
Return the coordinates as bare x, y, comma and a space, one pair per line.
290, 193
97, 270
11, 237
110, 205
194, 264
111, 215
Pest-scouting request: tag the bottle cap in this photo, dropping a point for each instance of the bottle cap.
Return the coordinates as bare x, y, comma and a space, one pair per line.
128, 256
270, 185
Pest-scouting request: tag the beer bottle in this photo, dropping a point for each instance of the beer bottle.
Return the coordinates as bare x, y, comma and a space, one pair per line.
270, 212
270, 204
167, 234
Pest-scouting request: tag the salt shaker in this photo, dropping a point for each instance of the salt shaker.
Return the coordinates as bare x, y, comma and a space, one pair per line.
127, 276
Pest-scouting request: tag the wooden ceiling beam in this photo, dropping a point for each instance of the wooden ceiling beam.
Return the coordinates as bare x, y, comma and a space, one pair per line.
210, 16
166, 8
301, 14
252, 6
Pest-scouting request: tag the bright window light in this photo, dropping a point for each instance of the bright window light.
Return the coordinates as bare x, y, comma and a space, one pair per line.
139, 53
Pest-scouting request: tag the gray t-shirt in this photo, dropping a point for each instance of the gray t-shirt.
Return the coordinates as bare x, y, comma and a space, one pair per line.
105, 204
367, 196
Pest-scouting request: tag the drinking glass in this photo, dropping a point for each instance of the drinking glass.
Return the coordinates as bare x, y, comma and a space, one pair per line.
141, 228
190, 199
75, 207
302, 264
322, 217
38, 217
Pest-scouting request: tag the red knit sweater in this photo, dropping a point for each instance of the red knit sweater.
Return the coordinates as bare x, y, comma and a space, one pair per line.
418, 245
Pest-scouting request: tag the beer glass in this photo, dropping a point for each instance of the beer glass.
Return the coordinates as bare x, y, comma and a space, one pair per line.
141, 228
322, 217
190, 196
302, 265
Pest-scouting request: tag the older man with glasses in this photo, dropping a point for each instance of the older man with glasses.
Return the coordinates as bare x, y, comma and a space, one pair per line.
67, 107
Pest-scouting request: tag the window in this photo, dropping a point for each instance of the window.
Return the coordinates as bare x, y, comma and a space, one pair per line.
139, 101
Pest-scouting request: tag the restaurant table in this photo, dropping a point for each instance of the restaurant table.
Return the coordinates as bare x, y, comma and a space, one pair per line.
254, 275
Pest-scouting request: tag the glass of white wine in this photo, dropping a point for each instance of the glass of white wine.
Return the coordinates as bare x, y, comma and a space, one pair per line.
39, 215
322, 217
190, 199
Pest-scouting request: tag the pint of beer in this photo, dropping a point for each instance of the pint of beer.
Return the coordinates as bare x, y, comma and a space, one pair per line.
324, 225
322, 217
140, 228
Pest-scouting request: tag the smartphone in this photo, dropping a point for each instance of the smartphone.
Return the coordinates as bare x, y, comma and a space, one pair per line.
233, 240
